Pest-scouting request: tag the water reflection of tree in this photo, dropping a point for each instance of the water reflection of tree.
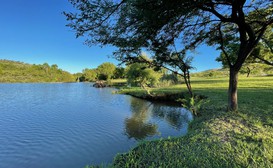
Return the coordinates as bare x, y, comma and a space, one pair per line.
172, 115
138, 125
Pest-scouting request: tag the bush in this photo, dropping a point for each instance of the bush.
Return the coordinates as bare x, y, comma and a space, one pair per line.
138, 75
194, 104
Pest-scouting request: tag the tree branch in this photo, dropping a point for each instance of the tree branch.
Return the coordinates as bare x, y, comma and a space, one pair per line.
217, 14
222, 46
265, 61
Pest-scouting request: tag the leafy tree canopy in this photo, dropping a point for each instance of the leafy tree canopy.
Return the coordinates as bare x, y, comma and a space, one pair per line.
158, 25
140, 74
90, 74
106, 71
119, 73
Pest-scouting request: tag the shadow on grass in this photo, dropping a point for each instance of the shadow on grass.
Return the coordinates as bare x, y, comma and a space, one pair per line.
217, 138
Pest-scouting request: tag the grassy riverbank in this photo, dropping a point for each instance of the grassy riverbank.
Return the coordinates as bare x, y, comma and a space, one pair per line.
216, 138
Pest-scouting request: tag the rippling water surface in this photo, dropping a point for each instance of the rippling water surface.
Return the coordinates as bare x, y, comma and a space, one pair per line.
73, 124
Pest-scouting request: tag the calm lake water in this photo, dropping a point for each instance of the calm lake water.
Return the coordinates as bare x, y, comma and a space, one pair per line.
73, 124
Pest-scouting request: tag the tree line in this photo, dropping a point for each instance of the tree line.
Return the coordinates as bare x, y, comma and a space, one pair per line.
136, 74
105, 71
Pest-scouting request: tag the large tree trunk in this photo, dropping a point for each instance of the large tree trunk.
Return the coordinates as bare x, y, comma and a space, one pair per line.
232, 90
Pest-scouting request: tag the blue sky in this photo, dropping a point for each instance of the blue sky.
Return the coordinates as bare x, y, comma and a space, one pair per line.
34, 31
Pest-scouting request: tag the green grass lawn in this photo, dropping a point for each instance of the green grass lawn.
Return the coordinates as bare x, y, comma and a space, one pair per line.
216, 138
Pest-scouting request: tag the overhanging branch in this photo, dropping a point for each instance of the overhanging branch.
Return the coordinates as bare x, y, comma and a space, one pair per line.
222, 46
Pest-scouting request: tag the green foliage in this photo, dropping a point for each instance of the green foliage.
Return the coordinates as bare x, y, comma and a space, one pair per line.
213, 73
119, 73
157, 26
13, 71
259, 59
173, 78
194, 104
106, 71
90, 74
138, 74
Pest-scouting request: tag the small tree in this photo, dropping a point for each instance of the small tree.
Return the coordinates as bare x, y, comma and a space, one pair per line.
139, 74
172, 77
106, 71
90, 74
176, 62
119, 73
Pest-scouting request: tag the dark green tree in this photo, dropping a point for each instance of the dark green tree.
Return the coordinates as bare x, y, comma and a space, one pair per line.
260, 58
264, 51
159, 24
119, 73
176, 62
253, 62
90, 74
106, 71
140, 74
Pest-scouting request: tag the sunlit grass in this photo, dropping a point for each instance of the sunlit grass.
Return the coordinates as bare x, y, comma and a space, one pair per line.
118, 80
217, 138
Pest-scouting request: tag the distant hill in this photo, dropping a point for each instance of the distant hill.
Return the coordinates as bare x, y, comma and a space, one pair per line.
14, 71
256, 70
212, 73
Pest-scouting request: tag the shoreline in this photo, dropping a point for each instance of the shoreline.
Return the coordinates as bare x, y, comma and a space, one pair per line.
216, 138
